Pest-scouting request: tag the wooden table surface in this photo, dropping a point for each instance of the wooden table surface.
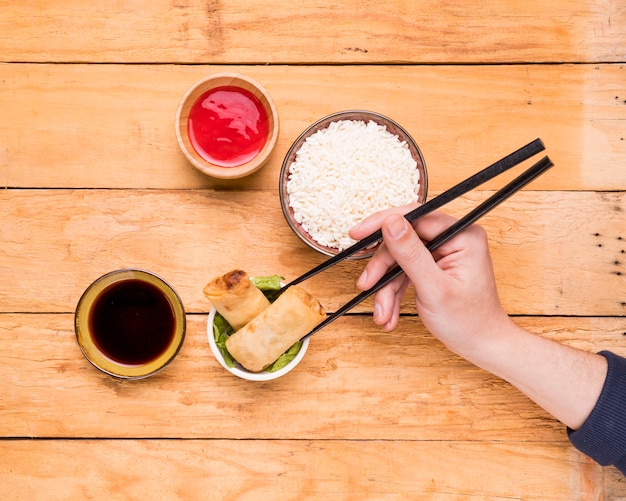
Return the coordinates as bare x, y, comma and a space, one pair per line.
93, 180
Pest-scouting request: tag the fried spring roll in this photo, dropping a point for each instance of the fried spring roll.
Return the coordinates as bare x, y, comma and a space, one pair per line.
236, 298
267, 336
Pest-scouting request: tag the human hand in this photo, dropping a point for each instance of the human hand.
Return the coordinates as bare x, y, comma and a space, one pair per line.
457, 300
455, 288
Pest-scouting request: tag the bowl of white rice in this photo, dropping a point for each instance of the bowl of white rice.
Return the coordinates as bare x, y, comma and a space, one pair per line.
343, 168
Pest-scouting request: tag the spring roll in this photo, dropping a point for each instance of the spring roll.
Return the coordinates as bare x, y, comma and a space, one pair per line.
235, 297
267, 336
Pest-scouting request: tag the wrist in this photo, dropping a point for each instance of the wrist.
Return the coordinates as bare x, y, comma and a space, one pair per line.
561, 379
490, 345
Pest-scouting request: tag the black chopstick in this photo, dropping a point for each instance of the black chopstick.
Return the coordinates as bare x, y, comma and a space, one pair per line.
481, 177
496, 199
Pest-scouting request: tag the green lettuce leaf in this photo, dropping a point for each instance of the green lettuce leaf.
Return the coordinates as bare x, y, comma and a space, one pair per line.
267, 283
285, 358
221, 331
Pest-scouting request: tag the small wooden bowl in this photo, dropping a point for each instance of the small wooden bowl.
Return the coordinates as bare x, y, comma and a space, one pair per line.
182, 125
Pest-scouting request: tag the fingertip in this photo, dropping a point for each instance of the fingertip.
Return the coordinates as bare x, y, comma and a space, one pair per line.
359, 230
391, 325
362, 281
384, 306
378, 313
353, 233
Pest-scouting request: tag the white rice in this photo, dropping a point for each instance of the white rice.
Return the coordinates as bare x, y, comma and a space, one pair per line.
346, 172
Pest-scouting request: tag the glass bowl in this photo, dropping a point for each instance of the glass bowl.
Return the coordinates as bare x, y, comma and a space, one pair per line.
130, 323
354, 115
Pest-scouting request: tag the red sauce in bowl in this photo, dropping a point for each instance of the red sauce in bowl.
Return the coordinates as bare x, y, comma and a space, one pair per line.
228, 126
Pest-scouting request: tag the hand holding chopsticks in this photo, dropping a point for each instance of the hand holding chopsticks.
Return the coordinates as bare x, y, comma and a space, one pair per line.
481, 177
502, 165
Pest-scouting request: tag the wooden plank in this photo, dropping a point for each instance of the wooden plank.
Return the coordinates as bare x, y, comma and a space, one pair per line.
355, 383
198, 469
615, 484
112, 126
555, 253
313, 31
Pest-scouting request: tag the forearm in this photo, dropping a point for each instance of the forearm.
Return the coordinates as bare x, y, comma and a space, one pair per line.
457, 299
563, 380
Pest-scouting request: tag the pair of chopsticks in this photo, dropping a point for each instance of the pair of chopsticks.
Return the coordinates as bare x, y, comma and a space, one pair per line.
456, 191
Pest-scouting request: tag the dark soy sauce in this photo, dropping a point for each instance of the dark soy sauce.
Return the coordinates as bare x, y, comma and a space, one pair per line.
132, 322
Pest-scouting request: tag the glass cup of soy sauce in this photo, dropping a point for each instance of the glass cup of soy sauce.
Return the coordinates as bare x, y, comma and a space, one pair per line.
130, 323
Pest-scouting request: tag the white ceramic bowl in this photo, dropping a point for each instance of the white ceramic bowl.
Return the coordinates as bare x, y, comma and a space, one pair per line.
243, 373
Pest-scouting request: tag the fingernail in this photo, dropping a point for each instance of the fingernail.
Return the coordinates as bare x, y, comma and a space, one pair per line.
396, 226
378, 311
361, 281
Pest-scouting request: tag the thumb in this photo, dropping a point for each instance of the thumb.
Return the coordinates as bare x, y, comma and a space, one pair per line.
410, 253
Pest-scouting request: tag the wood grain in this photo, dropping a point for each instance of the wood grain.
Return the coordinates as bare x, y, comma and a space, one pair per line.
355, 383
312, 31
615, 484
92, 180
112, 126
294, 470
554, 253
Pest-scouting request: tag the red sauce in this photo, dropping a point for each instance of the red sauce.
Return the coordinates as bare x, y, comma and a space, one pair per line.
228, 126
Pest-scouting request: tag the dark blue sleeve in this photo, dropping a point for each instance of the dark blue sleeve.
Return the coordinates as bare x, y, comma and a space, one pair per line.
602, 436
